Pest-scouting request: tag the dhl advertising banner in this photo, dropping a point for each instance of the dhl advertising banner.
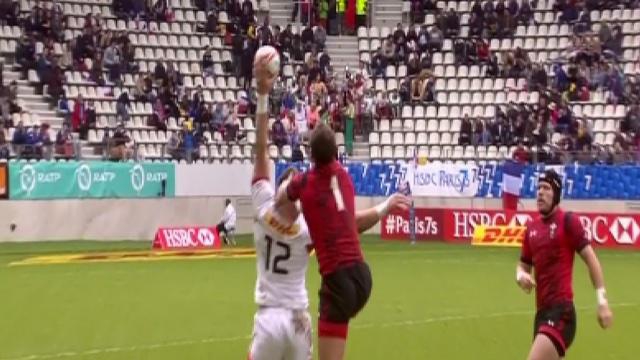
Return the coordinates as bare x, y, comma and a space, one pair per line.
502, 228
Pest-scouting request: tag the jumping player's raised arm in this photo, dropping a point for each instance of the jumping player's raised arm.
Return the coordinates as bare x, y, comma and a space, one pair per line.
264, 84
366, 219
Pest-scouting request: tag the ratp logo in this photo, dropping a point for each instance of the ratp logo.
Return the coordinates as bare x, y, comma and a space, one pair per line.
84, 177
137, 177
28, 179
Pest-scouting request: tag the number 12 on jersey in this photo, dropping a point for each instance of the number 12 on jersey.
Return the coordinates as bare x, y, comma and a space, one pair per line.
283, 256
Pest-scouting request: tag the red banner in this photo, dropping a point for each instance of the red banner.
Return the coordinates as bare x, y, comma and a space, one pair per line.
180, 238
428, 225
457, 225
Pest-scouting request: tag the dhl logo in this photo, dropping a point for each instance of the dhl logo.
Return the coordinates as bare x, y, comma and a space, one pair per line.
509, 236
288, 230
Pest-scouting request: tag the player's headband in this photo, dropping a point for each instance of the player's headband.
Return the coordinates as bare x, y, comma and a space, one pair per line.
553, 179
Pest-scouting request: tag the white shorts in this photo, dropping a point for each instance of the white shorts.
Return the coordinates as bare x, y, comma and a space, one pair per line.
281, 334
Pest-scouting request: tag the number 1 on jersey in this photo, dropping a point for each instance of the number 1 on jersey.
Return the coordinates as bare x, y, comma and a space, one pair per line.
336, 193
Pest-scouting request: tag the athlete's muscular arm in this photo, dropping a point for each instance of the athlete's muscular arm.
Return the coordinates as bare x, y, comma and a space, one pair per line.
524, 268
366, 219
524, 277
605, 316
264, 83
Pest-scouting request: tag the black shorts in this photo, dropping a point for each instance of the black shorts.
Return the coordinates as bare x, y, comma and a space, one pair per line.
558, 323
344, 292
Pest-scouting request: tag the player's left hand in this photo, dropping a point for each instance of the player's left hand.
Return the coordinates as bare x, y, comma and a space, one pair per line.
605, 316
398, 202
264, 79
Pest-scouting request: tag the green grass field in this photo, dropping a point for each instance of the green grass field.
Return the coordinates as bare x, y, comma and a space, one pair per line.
430, 301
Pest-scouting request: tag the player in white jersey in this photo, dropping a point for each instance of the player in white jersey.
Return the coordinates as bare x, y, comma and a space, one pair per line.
282, 324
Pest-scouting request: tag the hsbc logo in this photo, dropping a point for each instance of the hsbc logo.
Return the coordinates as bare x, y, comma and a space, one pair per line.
205, 236
625, 230
185, 238
466, 221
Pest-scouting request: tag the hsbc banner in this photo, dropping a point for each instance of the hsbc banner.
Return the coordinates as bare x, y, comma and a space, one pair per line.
181, 238
442, 180
458, 225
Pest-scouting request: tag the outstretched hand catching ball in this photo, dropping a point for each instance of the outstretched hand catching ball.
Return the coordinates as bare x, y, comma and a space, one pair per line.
266, 68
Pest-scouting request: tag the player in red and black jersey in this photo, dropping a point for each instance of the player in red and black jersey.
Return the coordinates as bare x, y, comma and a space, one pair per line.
327, 196
550, 244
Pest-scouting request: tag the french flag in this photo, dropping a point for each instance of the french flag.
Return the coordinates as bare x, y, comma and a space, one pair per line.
511, 184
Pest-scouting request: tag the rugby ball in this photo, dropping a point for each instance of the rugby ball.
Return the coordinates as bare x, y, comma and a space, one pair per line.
268, 55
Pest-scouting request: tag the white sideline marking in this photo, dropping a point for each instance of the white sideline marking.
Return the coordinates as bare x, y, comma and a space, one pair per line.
247, 337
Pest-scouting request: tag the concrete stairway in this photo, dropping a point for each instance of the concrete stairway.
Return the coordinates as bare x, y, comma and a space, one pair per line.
36, 105
387, 12
343, 51
360, 149
280, 12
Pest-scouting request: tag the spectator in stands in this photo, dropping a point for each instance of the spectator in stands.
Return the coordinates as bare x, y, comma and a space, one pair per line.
291, 127
92, 117
349, 118
9, 12
413, 65
232, 127
278, 133
113, 62
120, 148
320, 37
95, 74
5, 150
79, 116
26, 53
436, 38
12, 97
55, 84
583, 24
466, 131
538, 80
159, 116
43, 141
217, 118
452, 23
379, 63
389, 50
123, 104
301, 118
569, 13
614, 43
64, 142
174, 146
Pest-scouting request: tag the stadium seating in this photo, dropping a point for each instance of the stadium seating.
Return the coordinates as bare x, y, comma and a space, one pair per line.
430, 130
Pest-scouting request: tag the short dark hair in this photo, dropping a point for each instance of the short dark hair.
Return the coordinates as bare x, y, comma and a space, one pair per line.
290, 171
227, 201
323, 145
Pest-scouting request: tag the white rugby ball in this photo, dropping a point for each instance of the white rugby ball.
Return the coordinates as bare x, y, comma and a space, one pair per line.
269, 56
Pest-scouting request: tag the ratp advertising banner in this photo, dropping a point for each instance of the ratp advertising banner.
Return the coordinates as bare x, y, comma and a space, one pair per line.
73, 180
442, 180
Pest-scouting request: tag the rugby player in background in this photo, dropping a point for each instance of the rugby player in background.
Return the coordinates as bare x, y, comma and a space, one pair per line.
548, 249
282, 325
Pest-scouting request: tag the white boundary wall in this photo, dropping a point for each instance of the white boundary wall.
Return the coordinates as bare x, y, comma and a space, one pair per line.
139, 219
